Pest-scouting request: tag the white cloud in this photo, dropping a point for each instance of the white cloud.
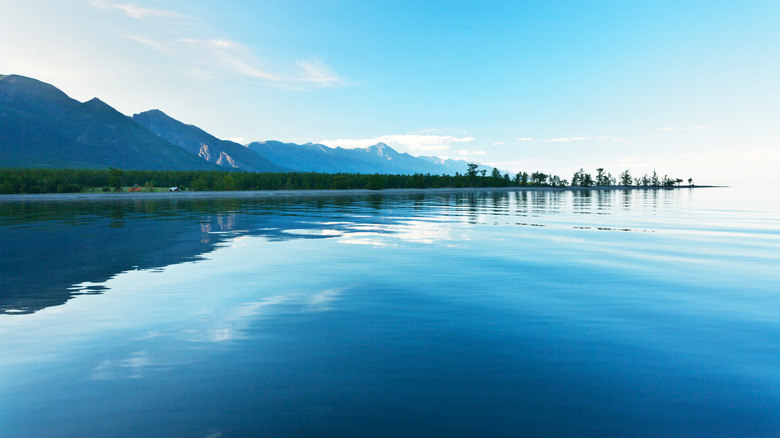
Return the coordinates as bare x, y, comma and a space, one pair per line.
150, 43
463, 140
568, 139
223, 55
571, 139
317, 72
688, 128
222, 43
135, 11
403, 142
498, 143
207, 58
466, 152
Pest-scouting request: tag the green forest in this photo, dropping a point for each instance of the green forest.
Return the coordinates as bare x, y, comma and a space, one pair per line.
32, 181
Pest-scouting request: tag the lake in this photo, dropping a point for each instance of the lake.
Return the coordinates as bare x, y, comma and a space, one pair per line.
533, 313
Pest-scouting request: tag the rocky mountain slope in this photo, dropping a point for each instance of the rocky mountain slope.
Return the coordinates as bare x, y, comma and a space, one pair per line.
40, 126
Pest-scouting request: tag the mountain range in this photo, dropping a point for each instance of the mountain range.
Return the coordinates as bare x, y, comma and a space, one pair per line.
40, 126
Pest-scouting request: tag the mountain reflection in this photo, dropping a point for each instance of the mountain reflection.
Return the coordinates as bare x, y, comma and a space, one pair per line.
55, 250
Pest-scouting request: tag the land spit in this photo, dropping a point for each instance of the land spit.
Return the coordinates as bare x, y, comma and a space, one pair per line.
248, 194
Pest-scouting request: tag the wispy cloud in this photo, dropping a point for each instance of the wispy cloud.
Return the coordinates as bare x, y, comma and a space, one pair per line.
467, 152
687, 128
318, 73
498, 143
212, 55
403, 142
150, 43
134, 11
208, 58
570, 139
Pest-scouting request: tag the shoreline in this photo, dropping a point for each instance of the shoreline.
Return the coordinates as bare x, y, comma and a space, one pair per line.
266, 194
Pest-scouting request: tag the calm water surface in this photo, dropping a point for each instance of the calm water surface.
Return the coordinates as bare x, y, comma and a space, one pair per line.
624, 313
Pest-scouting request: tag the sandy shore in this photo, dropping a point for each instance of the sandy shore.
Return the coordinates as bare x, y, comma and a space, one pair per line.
304, 193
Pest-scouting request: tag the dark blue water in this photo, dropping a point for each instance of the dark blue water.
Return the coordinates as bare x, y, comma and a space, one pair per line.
624, 313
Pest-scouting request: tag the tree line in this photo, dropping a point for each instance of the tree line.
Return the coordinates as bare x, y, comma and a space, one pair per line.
20, 181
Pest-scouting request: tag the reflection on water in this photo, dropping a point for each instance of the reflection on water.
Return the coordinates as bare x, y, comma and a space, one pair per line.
58, 247
533, 313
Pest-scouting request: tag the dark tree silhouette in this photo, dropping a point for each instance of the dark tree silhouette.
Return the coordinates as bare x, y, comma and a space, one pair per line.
115, 179
625, 178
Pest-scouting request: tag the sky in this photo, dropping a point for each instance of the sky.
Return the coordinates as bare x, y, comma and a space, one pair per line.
686, 88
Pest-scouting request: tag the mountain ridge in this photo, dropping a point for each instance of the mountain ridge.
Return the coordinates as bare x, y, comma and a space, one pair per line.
41, 126
198, 142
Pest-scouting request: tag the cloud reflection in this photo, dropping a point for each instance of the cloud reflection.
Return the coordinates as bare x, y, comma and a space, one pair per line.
383, 235
133, 367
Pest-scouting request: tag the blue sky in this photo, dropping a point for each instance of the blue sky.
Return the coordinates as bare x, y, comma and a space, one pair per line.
688, 88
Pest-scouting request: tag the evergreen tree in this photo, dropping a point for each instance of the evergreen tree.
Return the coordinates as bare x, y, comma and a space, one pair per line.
625, 178
601, 178
524, 179
115, 179
472, 173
